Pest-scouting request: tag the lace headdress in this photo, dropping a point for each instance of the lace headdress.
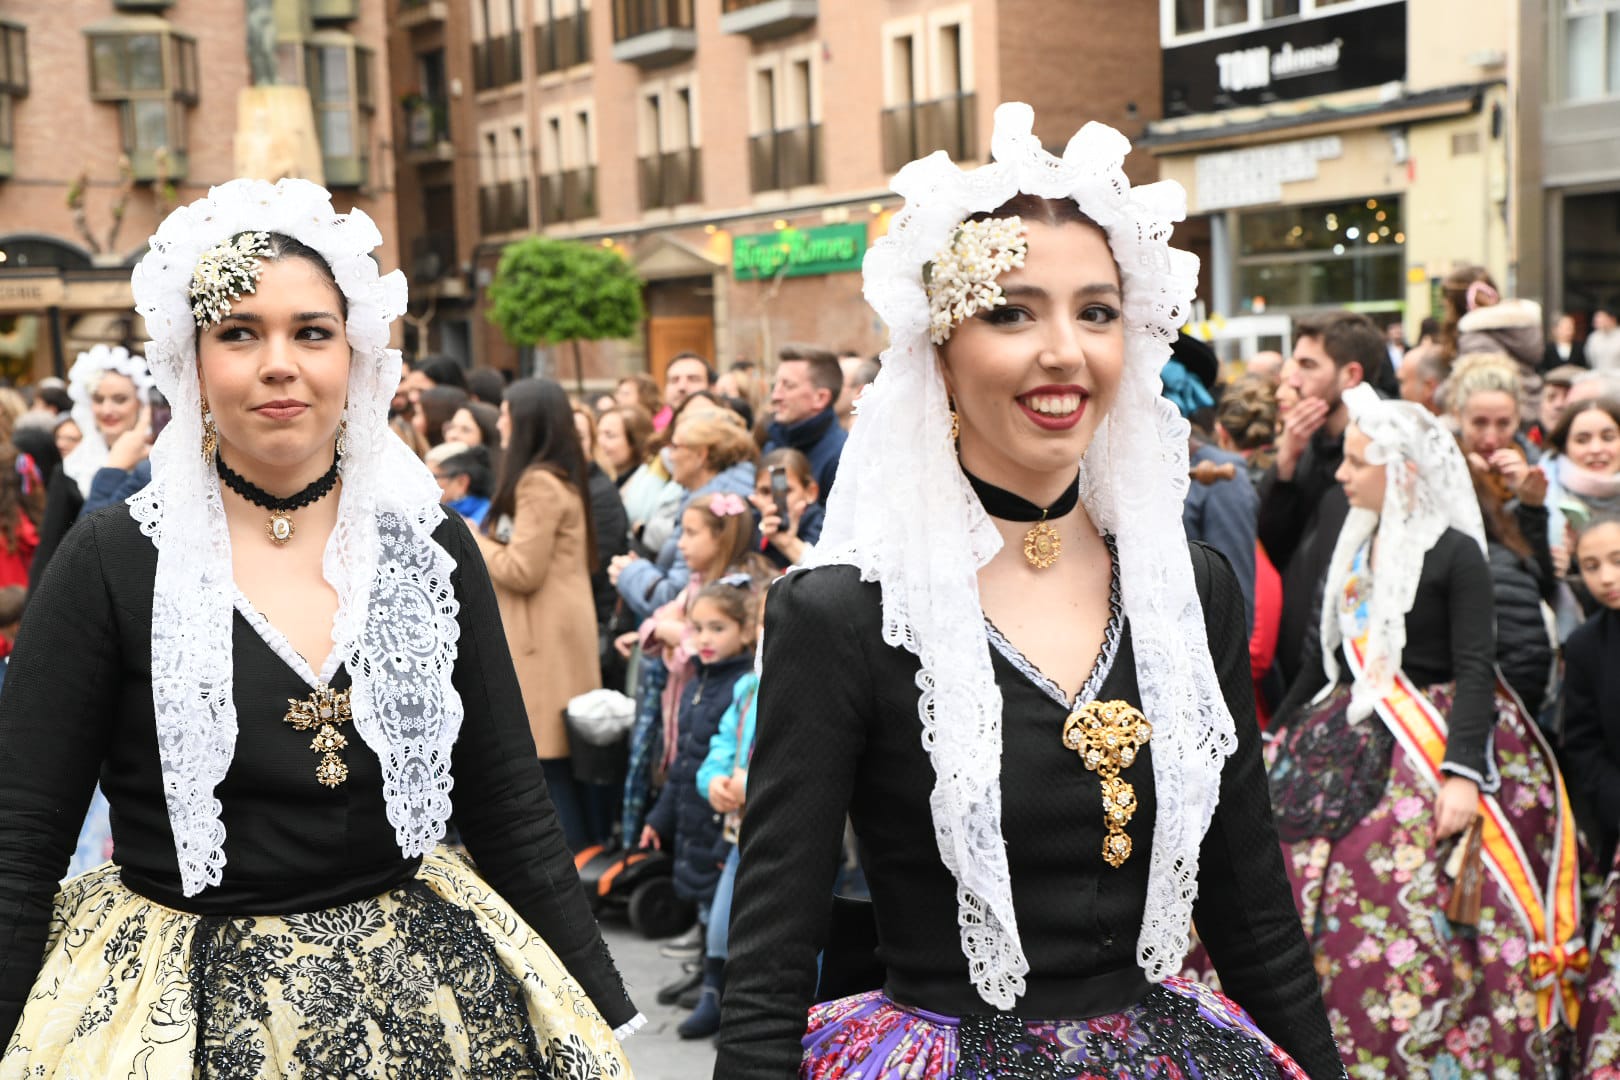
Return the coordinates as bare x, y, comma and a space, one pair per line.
903, 513
83, 378
1427, 489
395, 627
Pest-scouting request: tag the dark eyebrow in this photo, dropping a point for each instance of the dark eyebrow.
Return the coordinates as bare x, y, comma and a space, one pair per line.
1035, 292
242, 316
311, 316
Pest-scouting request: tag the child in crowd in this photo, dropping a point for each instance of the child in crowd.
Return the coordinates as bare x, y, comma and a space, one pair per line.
721, 780
785, 543
1592, 754
721, 638
717, 535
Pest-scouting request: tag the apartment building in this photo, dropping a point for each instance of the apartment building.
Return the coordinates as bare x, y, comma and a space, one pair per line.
737, 152
113, 112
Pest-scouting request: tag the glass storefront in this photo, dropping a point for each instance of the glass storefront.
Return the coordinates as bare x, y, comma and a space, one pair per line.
1344, 254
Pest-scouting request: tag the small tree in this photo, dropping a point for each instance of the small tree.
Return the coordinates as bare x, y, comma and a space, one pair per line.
547, 291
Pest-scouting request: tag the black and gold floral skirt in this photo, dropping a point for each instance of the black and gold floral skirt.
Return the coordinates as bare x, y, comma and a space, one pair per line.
437, 978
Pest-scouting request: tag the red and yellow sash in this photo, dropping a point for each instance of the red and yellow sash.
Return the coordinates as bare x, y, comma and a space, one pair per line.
1550, 912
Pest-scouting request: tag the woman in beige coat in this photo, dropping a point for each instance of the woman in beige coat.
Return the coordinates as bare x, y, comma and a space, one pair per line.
538, 542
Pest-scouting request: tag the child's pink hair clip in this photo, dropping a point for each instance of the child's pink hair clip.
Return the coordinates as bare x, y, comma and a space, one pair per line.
727, 504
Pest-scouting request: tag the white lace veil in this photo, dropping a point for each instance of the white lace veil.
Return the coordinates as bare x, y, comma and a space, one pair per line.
902, 512
1427, 490
395, 628
83, 378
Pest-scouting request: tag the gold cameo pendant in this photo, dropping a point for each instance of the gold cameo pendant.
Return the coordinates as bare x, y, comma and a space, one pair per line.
322, 712
1107, 735
279, 528
1042, 545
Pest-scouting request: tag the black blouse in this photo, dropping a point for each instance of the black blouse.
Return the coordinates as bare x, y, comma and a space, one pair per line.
77, 705
1450, 635
838, 731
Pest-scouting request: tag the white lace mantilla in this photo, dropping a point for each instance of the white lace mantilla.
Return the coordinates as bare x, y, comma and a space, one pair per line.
1427, 489
395, 628
902, 512
83, 378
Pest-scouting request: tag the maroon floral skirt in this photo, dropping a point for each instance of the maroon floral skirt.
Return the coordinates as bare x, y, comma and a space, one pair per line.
1406, 992
1599, 1034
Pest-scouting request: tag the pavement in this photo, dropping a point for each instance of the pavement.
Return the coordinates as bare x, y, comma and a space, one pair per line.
655, 1052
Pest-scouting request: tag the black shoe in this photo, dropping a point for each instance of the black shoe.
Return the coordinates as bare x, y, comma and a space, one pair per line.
690, 999
705, 1019
670, 993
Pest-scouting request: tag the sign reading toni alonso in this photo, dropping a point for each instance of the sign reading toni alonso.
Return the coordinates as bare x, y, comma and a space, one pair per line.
828, 249
1299, 58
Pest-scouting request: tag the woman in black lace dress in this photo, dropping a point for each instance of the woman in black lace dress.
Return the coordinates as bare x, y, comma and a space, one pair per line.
1008, 668
284, 662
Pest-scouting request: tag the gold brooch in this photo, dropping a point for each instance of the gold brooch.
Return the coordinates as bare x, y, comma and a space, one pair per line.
1107, 735
322, 712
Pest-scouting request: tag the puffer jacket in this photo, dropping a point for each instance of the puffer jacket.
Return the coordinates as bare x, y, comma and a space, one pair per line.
1512, 327
700, 848
1524, 650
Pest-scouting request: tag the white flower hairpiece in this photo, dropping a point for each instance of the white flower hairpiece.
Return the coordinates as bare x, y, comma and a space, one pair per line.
961, 280
225, 272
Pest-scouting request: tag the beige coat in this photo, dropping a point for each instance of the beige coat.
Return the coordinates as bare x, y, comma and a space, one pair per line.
543, 588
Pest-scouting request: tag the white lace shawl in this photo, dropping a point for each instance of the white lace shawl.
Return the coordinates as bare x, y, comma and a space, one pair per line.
902, 513
83, 378
1427, 489
396, 626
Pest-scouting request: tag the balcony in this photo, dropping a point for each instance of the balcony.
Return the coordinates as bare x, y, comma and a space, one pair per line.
779, 160
563, 43
568, 196
920, 127
762, 19
504, 207
415, 13
433, 256
497, 62
653, 33
672, 178
427, 130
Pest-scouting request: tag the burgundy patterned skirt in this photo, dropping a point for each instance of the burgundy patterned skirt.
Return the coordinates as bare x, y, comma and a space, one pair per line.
1408, 994
1599, 1034
1179, 1031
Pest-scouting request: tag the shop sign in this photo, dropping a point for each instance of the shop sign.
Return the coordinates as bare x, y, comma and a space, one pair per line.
1301, 59
828, 249
28, 294
1255, 177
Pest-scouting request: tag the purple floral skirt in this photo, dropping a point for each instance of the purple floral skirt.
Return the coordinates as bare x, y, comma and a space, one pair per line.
1180, 1031
1408, 995
1599, 1035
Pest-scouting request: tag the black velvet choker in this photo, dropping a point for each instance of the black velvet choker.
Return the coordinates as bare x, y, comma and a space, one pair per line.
280, 526
1042, 545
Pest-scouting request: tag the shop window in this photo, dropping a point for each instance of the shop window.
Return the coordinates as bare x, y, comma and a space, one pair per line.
13, 84
149, 70
1329, 254
1217, 18
1591, 50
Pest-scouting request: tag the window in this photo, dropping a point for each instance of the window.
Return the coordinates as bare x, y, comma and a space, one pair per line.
670, 161
1181, 20
338, 73
928, 86
1590, 42
13, 84
149, 70
1329, 254
562, 35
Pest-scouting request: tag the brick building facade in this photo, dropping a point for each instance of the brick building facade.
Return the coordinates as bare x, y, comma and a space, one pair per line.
736, 151
112, 112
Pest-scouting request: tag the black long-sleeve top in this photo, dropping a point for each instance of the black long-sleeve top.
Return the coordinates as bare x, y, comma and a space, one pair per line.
1298, 524
838, 730
77, 704
1450, 635
1592, 714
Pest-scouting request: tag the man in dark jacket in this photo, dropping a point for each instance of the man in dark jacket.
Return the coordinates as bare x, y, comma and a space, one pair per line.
1302, 506
808, 382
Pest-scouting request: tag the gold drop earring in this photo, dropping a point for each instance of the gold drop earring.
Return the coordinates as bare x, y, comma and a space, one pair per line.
956, 421
210, 439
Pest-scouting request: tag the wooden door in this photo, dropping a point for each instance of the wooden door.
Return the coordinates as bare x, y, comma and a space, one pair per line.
668, 335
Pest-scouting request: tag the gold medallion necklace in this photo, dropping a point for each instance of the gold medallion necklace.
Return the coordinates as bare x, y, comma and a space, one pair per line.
1107, 735
1042, 543
279, 527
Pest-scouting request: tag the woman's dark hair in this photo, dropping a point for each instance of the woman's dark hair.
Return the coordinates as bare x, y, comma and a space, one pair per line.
473, 463
486, 385
1558, 439
443, 371
738, 597
438, 405
486, 416
1594, 522
542, 437
56, 397
283, 247
1248, 412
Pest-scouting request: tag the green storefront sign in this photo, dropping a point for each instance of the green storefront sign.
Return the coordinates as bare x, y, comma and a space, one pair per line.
829, 249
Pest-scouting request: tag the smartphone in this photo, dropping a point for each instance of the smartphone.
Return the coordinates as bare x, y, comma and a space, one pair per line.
1575, 513
161, 414
779, 492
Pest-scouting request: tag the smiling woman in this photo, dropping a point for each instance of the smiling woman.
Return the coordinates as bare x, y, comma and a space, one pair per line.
287, 665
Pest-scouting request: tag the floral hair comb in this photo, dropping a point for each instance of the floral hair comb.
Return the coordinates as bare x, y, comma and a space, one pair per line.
727, 505
225, 272
961, 280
